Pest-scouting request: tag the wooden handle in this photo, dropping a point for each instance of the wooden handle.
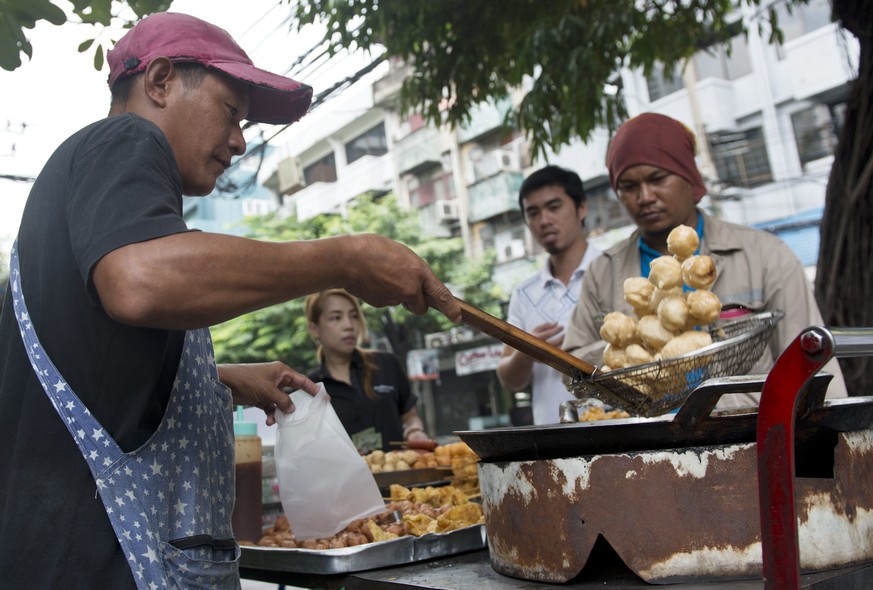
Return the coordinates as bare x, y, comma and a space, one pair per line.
529, 344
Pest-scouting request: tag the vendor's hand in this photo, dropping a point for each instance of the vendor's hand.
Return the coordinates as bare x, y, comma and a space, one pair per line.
389, 273
551, 332
418, 435
261, 385
420, 442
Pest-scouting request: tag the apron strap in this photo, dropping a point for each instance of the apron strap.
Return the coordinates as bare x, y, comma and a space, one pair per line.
96, 446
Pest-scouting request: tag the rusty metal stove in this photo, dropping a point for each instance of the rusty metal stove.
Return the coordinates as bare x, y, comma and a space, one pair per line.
677, 497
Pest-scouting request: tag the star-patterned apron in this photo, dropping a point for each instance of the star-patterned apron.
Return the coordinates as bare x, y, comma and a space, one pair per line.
169, 501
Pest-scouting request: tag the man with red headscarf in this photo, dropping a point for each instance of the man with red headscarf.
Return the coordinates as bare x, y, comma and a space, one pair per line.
653, 172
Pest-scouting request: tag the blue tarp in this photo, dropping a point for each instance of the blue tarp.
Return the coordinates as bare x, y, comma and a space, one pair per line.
800, 232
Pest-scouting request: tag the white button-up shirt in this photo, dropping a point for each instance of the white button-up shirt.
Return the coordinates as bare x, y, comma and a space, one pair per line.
543, 298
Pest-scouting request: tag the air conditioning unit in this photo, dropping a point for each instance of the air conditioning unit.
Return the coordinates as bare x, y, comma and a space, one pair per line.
508, 160
290, 173
510, 250
446, 210
437, 340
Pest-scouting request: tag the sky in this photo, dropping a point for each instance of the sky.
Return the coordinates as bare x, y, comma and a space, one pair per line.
58, 91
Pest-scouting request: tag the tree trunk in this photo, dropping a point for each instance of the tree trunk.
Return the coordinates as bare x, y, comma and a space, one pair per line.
844, 280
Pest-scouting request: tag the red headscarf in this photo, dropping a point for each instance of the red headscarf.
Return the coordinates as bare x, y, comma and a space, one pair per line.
654, 140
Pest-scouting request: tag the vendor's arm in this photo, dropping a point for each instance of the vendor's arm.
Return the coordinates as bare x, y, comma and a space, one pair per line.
262, 385
197, 279
515, 368
582, 339
787, 288
413, 427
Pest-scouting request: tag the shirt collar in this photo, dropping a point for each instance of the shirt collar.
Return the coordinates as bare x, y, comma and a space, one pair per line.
547, 277
321, 373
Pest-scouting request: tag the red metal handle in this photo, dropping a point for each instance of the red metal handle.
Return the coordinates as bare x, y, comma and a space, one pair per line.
803, 358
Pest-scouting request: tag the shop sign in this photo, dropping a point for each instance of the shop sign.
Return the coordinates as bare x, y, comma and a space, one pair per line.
479, 359
423, 364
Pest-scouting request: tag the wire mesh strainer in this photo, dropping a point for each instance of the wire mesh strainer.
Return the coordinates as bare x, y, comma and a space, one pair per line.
659, 387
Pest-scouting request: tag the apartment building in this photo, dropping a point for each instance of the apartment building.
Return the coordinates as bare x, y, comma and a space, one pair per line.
766, 119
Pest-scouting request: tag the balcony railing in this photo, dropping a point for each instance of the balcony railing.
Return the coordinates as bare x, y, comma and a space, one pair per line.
417, 151
494, 196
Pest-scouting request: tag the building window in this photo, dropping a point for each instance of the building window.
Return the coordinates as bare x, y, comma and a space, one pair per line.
816, 130
370, 143
323, 170
428, 188
741, 158
801, 19
725, 61
604, 210
660, 84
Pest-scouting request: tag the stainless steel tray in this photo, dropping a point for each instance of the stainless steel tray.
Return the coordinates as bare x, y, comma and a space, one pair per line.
399, 551
414, 477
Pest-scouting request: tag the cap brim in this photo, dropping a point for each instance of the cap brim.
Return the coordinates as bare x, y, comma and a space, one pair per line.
274, 99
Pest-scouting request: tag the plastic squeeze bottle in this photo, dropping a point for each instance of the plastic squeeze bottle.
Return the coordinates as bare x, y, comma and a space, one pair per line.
248, 507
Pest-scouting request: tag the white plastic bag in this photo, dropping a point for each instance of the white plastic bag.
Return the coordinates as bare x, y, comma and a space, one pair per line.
324, 484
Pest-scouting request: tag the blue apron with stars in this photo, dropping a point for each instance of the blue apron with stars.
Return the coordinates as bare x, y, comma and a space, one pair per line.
169, 501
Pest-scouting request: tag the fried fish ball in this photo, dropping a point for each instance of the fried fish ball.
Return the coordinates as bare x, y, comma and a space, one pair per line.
698, 272
637, 355
619, 329
653, 333
614, 356
638, 292
686, 342
658, 295
682, 242
673, 313
665, 272
704, 306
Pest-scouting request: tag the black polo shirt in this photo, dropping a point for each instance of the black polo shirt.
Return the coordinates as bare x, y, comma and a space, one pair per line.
358, 412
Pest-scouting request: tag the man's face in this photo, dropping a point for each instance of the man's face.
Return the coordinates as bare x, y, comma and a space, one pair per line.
553, 218
656, 199
203, 127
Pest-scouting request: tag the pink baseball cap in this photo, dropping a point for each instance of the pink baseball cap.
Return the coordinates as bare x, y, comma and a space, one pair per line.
184, 38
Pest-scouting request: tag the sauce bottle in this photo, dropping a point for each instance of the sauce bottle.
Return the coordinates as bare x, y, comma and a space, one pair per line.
248, 506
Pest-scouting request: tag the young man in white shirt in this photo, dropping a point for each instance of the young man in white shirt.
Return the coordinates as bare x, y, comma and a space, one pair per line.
554, 205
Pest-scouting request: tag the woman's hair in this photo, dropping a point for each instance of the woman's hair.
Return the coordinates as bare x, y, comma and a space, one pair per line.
314, 307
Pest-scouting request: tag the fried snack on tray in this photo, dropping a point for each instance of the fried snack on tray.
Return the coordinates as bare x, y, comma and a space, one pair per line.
458, 517
380, 461
420, 510
599, 413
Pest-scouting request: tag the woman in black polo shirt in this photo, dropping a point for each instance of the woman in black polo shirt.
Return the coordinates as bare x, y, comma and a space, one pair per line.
368, 388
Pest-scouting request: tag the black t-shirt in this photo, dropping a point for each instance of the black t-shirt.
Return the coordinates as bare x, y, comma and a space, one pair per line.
358, 412
112, 183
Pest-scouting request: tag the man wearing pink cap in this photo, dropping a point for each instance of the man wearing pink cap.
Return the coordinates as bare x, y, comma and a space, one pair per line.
652, 170
115, 421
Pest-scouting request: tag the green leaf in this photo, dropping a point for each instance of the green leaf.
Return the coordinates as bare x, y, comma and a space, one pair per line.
98, 58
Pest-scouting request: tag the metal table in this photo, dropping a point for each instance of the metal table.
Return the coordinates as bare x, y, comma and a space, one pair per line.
473, 570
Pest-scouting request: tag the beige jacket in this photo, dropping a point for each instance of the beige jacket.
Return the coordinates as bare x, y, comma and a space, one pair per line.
755, 269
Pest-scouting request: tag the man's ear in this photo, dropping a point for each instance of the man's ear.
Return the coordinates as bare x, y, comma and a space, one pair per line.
158, 78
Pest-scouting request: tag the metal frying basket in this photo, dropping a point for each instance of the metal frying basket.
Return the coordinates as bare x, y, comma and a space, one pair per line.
659, 387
